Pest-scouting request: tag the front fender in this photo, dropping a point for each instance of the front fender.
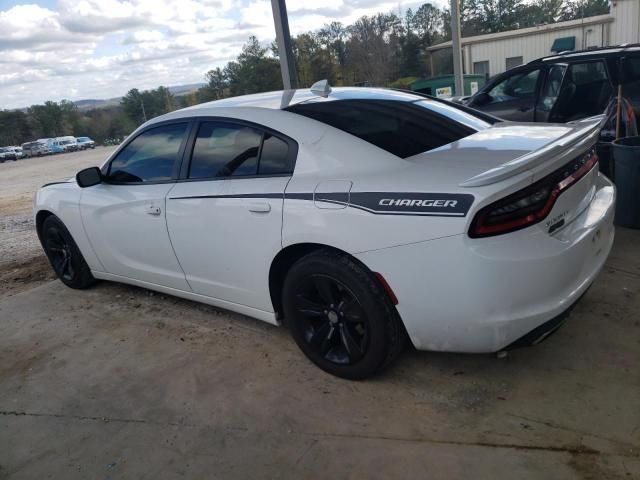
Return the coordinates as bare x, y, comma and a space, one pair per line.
63, 200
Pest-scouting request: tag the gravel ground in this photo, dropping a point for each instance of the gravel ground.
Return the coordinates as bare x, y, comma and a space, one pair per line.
22, 262
121, 382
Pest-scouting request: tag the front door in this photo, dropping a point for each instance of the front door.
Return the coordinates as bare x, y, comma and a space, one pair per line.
225, 219
514, 98
124, 216
550, 92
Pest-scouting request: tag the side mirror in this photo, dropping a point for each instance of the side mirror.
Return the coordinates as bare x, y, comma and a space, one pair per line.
481, 98
89, 177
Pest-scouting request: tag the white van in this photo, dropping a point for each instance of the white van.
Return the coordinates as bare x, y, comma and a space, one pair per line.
68, 143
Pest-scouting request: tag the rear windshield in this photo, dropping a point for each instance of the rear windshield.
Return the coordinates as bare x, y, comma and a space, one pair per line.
401, 128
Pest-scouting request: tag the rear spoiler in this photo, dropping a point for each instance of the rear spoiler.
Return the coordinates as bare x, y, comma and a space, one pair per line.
584, 134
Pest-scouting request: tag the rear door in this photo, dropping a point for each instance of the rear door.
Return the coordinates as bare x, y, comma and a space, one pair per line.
513, 98
586, 90
631, 80
124, 216
225, 215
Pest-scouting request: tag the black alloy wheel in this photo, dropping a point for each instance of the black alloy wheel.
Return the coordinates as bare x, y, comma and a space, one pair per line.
64, 255
340, 316
335, 324
59, 253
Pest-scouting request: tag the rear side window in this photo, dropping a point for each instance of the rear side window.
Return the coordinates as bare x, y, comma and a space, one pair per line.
517, 86
401, 128
223, 150
590, 72
150, 157
274, 158
227, 150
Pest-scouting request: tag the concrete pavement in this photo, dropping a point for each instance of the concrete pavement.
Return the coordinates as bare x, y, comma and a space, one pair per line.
117, 382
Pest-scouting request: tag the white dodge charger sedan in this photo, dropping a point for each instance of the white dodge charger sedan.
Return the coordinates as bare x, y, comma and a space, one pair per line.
358, 217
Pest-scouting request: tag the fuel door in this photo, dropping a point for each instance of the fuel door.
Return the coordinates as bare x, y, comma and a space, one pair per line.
332, 194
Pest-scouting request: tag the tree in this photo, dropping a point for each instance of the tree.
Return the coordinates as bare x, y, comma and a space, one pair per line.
217, 83
253, 71
132, 104
141, 106
53, 119
427, 23
333, 37
577, 9
313, 60
373, 46
14, 127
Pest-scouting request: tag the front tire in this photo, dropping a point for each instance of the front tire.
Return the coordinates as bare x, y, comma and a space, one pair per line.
340, 317
64, 255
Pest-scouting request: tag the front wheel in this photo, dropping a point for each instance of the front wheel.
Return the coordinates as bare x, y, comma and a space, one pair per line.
340, 317
64, 255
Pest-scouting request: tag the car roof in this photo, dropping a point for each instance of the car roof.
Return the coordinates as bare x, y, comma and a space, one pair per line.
593, 52
281, 99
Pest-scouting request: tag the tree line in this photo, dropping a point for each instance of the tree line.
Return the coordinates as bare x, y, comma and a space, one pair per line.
383, 49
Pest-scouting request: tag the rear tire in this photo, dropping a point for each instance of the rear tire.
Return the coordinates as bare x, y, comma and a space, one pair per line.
64, 255
340, 316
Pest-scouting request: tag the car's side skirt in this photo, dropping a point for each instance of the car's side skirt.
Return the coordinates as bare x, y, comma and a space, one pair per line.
269, 317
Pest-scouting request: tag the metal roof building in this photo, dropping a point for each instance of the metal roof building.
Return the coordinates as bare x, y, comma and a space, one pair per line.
494, 53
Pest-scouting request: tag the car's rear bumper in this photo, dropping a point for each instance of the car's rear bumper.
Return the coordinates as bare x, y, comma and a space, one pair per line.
482, 295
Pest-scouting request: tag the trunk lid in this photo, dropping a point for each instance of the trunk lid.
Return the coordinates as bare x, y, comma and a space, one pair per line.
507, 149
500, 161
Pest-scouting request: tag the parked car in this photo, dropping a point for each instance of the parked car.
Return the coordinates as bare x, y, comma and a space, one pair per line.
563, 87
352, 215
56, 148
17, 151
7, 153
85, 142
68, 143
36, 149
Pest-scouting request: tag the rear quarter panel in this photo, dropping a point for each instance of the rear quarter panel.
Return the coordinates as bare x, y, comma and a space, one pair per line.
340, 159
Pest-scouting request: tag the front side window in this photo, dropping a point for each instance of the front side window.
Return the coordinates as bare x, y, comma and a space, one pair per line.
515, 87
150, 157
229, 150
551, 88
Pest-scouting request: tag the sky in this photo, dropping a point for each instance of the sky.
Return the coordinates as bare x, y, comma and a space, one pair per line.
96, 49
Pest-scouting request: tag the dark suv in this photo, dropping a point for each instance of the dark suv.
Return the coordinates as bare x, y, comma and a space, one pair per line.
563, 87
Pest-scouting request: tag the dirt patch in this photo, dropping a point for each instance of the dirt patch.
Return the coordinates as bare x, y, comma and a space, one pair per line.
22, 262
20, 275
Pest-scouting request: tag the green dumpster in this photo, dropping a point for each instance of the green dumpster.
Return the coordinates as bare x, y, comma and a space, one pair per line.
444, 85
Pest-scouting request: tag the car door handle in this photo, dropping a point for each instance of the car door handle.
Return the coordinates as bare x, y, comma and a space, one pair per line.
259, 207
153, 210
524, 109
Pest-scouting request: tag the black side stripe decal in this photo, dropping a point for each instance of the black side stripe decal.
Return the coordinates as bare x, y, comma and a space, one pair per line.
240, 195
53, 183
378, 203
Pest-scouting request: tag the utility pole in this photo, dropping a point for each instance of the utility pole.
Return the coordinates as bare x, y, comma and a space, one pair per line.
283, 38
144, 114
455, 44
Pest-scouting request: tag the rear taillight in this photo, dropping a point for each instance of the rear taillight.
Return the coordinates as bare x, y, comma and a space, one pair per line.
531, 205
